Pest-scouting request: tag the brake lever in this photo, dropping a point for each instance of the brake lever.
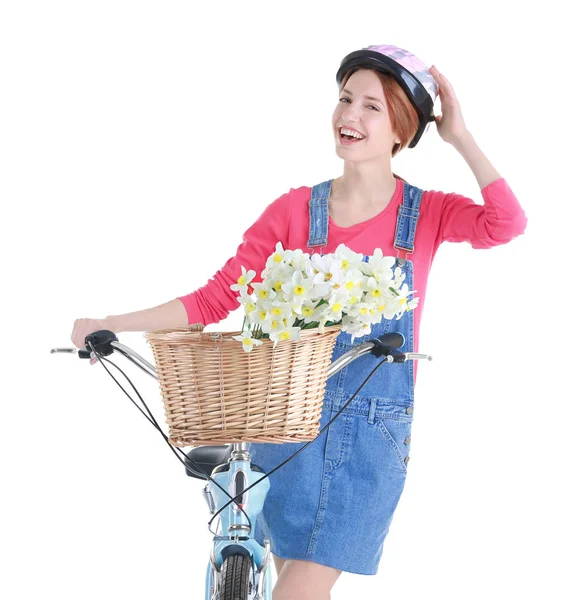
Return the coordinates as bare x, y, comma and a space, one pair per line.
102, 341
82, 352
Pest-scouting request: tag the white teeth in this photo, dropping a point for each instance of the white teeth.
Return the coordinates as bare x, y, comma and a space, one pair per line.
351, 133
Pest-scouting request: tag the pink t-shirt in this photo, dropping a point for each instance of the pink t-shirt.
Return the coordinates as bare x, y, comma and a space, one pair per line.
443, 217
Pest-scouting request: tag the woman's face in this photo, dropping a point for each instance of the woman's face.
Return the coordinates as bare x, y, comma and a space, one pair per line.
362, 107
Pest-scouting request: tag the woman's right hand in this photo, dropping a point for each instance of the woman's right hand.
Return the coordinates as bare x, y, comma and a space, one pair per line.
83, 327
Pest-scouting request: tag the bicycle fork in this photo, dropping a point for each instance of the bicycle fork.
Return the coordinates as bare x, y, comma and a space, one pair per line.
236, 536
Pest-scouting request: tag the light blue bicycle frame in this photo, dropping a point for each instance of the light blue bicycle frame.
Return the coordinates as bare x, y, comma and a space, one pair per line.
233, 523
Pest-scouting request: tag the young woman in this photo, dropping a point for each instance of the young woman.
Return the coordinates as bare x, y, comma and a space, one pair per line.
329, 510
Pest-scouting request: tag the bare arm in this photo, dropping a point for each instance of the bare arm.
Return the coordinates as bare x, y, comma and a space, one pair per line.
170, 315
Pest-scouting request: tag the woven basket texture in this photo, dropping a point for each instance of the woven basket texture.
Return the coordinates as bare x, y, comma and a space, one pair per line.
216, 393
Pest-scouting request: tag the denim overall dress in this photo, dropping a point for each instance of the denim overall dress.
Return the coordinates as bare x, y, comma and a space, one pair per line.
333, 503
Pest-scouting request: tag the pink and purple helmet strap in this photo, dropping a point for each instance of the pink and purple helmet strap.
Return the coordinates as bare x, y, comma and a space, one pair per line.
412, 64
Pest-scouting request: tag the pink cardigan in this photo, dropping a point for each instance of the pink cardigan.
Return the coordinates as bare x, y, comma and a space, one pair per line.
444, 217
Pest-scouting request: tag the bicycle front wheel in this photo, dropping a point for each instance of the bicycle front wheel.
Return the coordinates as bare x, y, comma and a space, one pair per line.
235, 578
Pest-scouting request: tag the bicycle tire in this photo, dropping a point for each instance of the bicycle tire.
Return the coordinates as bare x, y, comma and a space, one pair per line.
235, 577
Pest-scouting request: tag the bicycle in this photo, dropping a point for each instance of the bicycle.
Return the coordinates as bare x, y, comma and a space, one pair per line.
239, 568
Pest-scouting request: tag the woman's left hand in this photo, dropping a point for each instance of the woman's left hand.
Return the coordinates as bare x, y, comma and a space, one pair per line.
451, 125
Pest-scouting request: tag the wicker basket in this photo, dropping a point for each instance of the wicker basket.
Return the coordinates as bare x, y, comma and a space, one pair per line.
216, 393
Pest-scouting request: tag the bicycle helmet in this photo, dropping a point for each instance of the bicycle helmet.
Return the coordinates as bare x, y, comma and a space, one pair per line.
409, 71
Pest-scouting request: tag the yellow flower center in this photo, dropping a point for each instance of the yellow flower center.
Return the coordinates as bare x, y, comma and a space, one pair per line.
277, 286
249, 307
353, 300
262, 314
242, 280
307, 311
276, 311
364, 310
382, 306
349, 285
344, 263
328, 276
336, 307
284, 335
263, 293
376, 293
299, 290
247, 342
277, 258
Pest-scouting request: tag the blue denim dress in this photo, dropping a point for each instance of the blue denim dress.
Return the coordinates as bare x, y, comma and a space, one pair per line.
333, 503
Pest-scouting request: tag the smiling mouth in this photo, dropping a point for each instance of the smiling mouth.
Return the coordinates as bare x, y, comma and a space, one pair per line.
349, 137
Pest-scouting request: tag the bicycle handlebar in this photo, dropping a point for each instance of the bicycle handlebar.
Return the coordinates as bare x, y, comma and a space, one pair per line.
105, 343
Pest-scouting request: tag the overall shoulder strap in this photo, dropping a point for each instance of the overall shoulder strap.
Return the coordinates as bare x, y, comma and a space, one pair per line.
318, 210
407, 220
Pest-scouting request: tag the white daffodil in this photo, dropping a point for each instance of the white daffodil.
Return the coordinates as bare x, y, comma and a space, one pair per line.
349, 260
298, 288
328, 269
263, 292
277, 257
365, 316
399, 277
379, 266
243, 281
354, 328
279, 310
274, 326
306, 309
248, 342
300, 260
353, 282
260, 314
402, 303
376, 290
321, 314
359, 310
338, 304
279, 314
248, 303
320, 290
280, 270
287, 333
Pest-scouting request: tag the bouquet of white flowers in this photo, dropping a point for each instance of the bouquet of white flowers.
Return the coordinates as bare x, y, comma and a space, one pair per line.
303, 291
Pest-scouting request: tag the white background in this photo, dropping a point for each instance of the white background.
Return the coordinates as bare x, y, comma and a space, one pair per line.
139, 140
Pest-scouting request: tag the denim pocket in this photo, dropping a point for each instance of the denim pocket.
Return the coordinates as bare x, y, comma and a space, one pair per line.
397, 432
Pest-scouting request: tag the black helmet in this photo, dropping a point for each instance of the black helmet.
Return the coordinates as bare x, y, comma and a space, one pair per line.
409, 71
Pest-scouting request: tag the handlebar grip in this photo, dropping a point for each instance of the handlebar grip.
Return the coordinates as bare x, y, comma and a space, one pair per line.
393, 339
102, 341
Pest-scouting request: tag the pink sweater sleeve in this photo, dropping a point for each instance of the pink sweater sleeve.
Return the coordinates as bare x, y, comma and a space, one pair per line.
496, 222
212, 302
